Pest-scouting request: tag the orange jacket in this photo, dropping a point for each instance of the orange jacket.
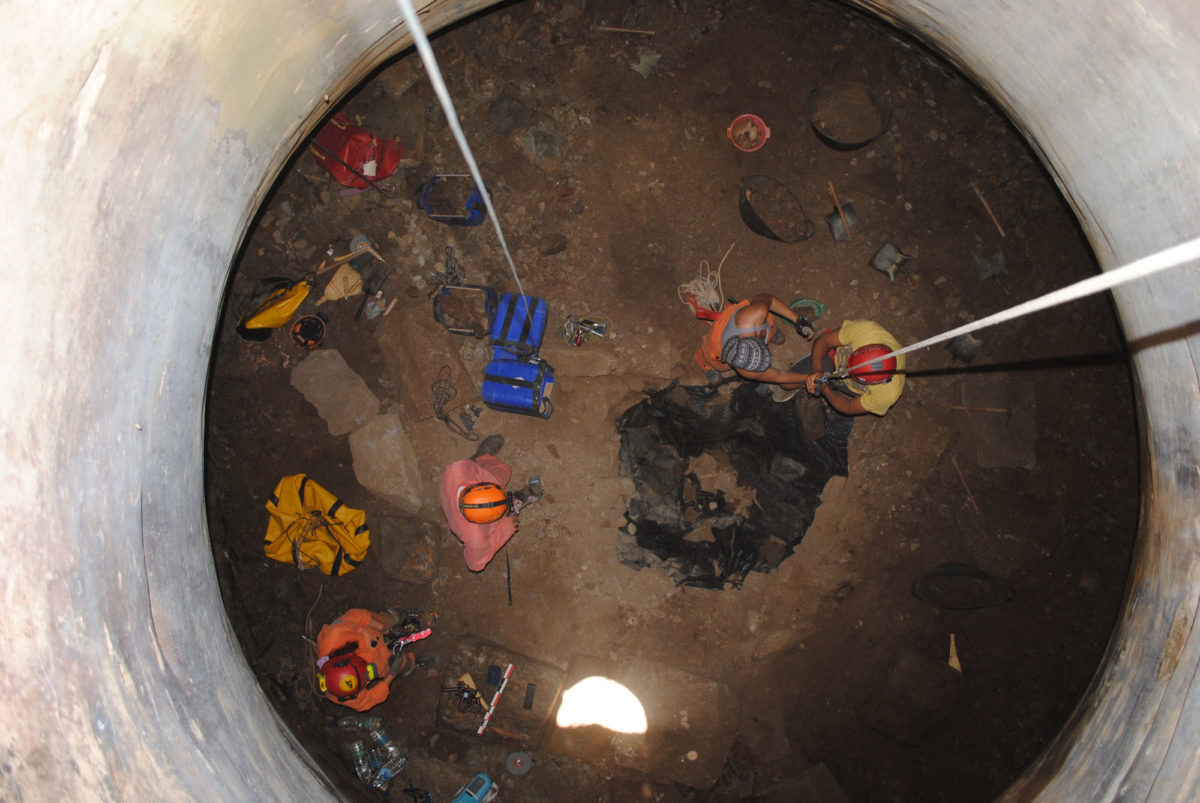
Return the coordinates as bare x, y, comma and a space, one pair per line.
366, 628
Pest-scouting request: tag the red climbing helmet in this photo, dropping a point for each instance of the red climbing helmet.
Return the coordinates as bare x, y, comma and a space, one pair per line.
866, 368
483, 502
344, 676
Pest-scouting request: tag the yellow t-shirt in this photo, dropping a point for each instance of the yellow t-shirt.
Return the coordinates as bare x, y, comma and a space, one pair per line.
876, 399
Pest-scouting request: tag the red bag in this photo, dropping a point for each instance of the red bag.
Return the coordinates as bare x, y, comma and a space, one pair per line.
343, 148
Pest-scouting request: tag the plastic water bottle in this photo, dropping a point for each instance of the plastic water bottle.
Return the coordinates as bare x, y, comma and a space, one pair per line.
358, 756
386, 748
389, 770
360, 722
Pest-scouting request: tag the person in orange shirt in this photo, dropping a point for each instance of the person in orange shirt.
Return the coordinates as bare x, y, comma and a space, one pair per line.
356, 666
739, 338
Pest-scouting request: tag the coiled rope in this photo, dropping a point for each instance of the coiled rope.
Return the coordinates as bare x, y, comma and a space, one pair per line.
706, 288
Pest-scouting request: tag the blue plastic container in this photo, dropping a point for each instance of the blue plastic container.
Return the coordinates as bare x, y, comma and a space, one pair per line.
518, 328
474, 209
519, 386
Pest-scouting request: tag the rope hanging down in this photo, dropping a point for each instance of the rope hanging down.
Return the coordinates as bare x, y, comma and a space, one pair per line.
1172, 257
443, 95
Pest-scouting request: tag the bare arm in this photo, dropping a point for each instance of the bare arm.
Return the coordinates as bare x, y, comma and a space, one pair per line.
776, 306
788, 379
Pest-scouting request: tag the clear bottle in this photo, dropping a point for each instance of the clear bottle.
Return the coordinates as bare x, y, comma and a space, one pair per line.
362, 767
389, 770
386, 748
360, 722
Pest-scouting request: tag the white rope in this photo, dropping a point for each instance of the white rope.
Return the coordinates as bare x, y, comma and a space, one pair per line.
1174, 256
439, 88
706, 288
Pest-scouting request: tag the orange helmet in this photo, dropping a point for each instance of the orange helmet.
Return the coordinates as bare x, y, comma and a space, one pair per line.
865, 367
483, 502
344, 676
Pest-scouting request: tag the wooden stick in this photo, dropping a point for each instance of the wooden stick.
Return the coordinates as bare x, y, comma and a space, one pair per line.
966, 487
837, 205
624, 30
988, 207
980, 409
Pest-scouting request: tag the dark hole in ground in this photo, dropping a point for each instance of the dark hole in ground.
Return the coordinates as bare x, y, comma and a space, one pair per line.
614, 188
770, 459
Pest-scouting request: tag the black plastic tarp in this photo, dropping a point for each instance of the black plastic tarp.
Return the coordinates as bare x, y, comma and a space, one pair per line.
768, 449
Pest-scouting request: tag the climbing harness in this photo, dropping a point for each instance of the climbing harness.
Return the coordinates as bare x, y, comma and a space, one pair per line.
444, 391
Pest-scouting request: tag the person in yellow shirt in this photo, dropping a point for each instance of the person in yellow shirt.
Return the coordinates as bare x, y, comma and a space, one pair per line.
858, 377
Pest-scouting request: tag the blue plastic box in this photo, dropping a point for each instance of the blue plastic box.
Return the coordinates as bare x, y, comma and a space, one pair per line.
518, 328
519, 386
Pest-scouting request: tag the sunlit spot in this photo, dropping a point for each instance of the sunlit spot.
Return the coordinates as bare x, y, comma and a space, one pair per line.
604, 702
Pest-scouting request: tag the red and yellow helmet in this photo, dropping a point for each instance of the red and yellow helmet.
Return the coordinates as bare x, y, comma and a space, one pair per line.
344, 676
866, 368
483, 502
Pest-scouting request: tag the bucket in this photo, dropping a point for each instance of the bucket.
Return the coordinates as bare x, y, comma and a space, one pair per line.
748, 132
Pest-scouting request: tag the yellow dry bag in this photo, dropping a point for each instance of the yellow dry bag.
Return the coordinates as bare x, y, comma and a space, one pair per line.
309, 526
273, 303
278, 307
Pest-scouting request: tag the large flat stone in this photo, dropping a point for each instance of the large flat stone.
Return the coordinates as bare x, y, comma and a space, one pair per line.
512, 721
385, 462
340, 395
913, 699
691, 722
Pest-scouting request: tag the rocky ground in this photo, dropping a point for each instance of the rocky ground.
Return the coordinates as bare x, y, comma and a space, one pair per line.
615, 183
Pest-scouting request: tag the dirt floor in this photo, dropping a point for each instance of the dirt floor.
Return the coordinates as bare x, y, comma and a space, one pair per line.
615, 183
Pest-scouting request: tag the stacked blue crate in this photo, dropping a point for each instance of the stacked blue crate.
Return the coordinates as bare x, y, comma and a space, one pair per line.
517, 380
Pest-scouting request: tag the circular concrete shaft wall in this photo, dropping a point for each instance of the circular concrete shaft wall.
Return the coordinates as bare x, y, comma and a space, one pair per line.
140, 140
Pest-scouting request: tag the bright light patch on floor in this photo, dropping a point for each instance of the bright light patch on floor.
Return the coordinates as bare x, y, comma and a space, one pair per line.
604, 702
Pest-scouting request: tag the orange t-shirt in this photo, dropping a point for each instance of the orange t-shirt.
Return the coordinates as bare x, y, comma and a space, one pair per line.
358, 624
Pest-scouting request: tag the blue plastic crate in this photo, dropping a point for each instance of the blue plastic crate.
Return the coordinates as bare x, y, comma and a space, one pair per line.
518, 327
519, 386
